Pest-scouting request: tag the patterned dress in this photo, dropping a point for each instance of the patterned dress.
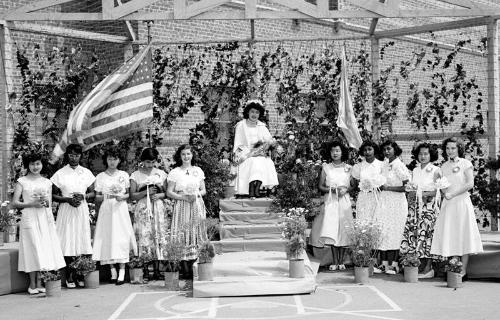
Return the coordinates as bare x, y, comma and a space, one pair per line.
150, 217
73, 224
392, 210
422, 213
367, 201
39, 247
329, 227
114, 236
186, 216
456, 232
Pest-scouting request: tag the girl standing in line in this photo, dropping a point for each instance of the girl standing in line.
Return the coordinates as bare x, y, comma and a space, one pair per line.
329, 227
456, 232
73, 186
393, 207
39, 247
114, 236
147, 186
186, 185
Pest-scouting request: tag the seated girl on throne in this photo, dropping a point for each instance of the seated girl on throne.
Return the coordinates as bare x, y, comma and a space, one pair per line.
255, 169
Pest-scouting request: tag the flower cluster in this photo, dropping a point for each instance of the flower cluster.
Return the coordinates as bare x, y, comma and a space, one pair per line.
372, 183
7, 216
140, 261
365, 237
454, 265
52, 275
410, 259
296, 246
92, 213
442, 183
206, 252
115, 189
83, 265
294, 222
173, 248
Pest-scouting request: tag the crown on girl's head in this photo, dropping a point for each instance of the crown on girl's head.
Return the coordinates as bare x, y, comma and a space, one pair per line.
257, 101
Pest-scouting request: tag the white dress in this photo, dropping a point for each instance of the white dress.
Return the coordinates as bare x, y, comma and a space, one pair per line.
39, 247
73, 224
114, 236
392, 210
367, 201
456, 232
253, 168
329, 227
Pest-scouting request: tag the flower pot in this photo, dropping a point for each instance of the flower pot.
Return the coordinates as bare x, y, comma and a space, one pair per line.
10, 234
53, 288
171, 280
411, 274
361, 274
136, 275
205, 271
454, 279
296, 268
1, 238
92, 280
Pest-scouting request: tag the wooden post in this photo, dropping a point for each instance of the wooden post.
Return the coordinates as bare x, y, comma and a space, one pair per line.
4, 175
493, 103
375, 57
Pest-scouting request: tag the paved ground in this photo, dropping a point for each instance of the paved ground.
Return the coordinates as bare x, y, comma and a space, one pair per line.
337, 297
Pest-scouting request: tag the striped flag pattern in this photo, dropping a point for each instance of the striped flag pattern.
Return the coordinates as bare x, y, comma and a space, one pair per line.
346, 119
119, 104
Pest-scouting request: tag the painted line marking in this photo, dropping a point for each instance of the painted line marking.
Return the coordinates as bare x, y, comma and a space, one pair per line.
299, 304
212, 312
122, 307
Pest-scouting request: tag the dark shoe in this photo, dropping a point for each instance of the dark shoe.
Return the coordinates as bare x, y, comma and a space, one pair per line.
465, 277
119, 282
112, 280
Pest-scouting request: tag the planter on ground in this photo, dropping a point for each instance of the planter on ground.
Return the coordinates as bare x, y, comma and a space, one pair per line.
136, 275
361, 275
296, 268
172, 280
454, 279
53, 288
411, 274
92, 280
205, 271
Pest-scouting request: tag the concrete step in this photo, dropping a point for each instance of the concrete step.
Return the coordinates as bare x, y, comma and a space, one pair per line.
257, 205
251, 231
239, 244
248, 217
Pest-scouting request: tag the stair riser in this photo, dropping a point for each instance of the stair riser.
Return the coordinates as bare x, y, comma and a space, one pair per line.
243, 217
238, 246
259, 205
251, 232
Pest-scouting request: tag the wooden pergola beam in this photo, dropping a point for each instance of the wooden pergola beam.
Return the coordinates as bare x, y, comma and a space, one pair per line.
373, 25
385, 9
441, 26
37, 5
66, 32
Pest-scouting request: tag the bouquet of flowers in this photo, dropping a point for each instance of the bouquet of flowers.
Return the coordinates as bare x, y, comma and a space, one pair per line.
115, 189
41, 194
372, 183
442, 183
454, 265
365, 236
410, 259
7, 216
83, 265
50, 275
411, 187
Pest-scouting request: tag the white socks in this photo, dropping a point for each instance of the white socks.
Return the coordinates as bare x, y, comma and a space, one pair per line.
121, 275
113, 273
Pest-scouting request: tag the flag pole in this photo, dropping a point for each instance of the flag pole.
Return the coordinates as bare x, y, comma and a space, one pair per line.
149, 23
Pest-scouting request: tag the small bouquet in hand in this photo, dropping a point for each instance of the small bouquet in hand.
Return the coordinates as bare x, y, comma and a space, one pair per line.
442, 183
372, 183
41, 194
411, 187
115, 189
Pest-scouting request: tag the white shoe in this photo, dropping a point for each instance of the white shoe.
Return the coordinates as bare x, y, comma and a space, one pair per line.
333, 267
341, 267
428, 275
42, 290
378, 270
33, 291
70, 285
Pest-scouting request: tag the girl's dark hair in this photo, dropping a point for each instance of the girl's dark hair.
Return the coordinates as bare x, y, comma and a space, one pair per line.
150, 154
425, 145
32, 157
177, 155
72, 148
254, 105
460, 146
369, 143
328, 149
397, 150
112, 152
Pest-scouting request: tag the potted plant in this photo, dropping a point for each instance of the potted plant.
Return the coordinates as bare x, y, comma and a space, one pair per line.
173, 248
7, 224
296, 247
206, 253
136, 267
52, 281
453, 273
86, 267
410, 262
365, 236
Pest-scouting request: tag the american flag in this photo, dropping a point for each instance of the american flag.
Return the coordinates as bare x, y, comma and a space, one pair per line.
119, 104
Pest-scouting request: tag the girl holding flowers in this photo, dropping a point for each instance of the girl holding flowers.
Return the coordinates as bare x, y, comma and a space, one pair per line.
329, 227
39, 248
392, 210
73, 186
367, 175
424, 201
147, 186
114, 236
186, 185
456, 232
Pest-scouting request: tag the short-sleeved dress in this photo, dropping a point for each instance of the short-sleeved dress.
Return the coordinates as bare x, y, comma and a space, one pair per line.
392, 210
367, 201
186, 216
419, 227
329, 227
456, 232
39, 247
114, 236
73, 224
150, 221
